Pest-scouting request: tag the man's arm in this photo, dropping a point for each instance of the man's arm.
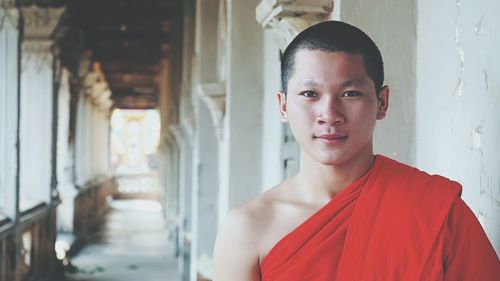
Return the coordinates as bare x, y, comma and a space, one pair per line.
236, 255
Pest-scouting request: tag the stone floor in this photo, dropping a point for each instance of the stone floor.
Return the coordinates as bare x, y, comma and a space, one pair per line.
132, 246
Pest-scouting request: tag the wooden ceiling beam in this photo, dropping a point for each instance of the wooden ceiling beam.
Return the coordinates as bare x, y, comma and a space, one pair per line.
135, 102
128, 68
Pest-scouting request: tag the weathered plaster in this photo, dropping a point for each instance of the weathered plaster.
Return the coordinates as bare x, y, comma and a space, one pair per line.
460, 50
458, 86
241, 155
272, 132
392, 25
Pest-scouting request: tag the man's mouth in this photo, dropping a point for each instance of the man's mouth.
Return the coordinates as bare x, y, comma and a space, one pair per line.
332, 138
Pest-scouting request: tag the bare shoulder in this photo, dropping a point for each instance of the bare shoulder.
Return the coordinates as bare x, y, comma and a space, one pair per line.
239, 241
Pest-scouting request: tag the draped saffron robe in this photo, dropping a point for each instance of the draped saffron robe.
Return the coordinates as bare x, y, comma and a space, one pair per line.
394, 223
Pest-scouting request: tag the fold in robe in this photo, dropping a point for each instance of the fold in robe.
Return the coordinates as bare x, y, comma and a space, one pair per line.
393, 223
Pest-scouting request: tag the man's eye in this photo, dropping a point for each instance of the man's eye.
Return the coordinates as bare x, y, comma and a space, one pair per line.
351, 94
309, 94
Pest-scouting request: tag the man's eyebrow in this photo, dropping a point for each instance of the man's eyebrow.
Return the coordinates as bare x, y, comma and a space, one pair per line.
309, 83
354, 82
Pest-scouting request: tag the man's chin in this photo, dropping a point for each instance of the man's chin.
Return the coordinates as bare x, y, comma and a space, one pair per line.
331, 160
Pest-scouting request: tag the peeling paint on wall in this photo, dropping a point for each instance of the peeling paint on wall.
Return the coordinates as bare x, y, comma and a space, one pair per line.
459, 89
485, 78
478, 28
487, 185
477, 134
466, 99
480, 217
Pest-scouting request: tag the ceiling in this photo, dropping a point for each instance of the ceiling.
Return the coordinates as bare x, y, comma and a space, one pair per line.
129, 38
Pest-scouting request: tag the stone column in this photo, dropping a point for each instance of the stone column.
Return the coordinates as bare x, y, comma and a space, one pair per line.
36, 105
9, 92
182, 138
209, 106
92, 141
65, 185
240, 150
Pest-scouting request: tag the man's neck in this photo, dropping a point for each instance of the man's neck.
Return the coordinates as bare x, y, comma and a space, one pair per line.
318, 183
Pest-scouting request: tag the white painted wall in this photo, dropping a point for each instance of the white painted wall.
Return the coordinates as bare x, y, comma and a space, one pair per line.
392, 25
207, 192
9, 93
91, 142
241, 154
272, 131
65, 186
458, 99
35, 125
443, 114
205, 144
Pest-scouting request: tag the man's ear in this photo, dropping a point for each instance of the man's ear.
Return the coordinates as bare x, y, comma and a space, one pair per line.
383, 102
282, 104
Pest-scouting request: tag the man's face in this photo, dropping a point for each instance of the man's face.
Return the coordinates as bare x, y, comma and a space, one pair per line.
332, 106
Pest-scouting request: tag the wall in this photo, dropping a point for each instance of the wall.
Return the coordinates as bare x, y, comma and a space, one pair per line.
458, 98
392, 25
65, 186
9, 91
242, 129
272, 128
36, 104
206, 169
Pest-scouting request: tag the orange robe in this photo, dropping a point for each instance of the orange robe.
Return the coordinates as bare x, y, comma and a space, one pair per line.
394, 223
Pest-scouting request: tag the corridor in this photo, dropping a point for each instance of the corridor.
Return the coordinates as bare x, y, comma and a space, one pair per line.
131, 246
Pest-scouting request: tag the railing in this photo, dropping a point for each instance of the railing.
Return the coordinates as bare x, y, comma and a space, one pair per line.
91, 204
27, 249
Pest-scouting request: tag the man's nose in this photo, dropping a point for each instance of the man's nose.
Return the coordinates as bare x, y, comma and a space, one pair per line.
330, 112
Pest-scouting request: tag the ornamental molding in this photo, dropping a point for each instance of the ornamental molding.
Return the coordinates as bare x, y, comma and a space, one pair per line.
289, 17
9, 16
214, 96
97, 89
36, 54
40, 23
7, 4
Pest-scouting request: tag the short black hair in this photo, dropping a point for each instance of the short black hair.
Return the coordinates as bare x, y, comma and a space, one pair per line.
334, 36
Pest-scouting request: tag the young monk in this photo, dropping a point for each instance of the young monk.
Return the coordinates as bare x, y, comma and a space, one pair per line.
349, 214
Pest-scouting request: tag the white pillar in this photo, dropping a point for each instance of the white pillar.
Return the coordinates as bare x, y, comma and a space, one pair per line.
36, 106
65, 186
182, 137
9, 93
83, 141
92, 129
240, 174
205, 142
205, 196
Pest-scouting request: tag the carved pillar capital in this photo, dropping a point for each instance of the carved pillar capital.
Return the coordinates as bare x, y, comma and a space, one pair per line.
214, 96
289, 17
97, 89
9, 15
39, 23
